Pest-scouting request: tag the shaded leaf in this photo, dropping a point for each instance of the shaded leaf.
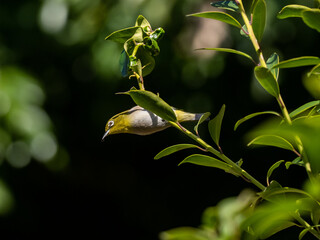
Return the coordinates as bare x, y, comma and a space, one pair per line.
273, 60
221, 16
303, 232
215, 125
297, 161
204, 117
124, 63
242, 120
229, 50
153, 103
267, 80
272, 168
207, 161
259, 18
121, 36
228, 5
303, 108
292, 11
272, 140
298, 62
172, 149
244, 31
183, 233
312, 18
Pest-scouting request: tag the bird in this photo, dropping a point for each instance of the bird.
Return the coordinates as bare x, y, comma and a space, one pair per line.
140, 121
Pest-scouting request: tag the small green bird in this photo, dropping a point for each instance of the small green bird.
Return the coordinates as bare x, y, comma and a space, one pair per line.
140, 121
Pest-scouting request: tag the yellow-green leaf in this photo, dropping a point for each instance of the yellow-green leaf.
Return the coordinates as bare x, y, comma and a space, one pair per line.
215, 125
253, 115
221, 16
272, 140
267, 80
172, 149
298, 62
292, 11
312, 18
259, 18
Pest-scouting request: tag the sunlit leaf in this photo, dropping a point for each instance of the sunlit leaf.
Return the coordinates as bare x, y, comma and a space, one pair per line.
312, 18
229, 50
221, 16
298, 62
272, 168
259, 18
203, 118
153, 103
312, 84
267, 80
121, 36
172, 149
273, 60
242, 120
292, 11
142, 22
207, 161
315, 70
303, 108
228, 5
272, 140
215, 125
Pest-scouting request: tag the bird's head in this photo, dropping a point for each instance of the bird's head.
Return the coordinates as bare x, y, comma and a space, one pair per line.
117, 124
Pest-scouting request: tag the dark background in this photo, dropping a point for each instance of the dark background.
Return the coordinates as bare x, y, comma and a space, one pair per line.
114, 188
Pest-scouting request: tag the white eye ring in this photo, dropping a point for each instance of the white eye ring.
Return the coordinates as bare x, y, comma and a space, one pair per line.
110, 123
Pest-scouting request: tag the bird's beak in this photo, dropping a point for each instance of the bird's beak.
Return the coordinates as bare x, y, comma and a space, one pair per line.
105, 135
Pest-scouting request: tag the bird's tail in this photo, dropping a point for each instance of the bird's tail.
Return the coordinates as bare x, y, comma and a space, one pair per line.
185, 116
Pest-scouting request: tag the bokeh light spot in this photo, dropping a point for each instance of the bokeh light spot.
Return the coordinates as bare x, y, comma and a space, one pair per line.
43, 147
18, 154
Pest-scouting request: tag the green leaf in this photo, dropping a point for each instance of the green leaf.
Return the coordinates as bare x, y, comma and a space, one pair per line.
259, 18
201, 120
121, 36
143, 22
183, 233
208, 161
229, 50
297, 161
153, 103
215, 125
147, 61
315, 70
272, 140
272, 168
292, 11
298, 62
172, 149
244, 31
228, 5
273, 60
303, 232
303, 108
312, 18
253, 115
221, 16
267, 80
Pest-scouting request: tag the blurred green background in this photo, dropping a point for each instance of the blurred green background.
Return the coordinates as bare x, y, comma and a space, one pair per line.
58, 79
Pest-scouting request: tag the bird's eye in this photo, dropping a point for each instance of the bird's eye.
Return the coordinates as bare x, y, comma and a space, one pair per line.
110, 123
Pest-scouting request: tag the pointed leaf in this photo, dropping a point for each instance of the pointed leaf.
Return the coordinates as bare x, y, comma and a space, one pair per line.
228, 5
273, 60
221, 16
208, 161
272, 140
215, 125
172, 149
315, 70
201, 120
272, 168
143, 22
229, 50
292, 11
298, 62
253, 115
153, 103
297, 161
267, 80
303, 232
121, 36
312, 18
303, 108
259, 18
244, 31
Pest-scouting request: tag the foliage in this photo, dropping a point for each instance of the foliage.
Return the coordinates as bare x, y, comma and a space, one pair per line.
273, 208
